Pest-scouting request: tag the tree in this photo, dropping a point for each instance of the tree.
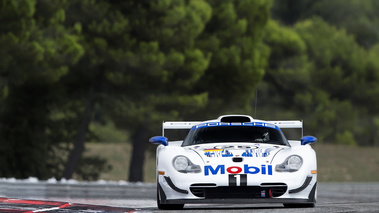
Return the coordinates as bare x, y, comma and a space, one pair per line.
234, 38
166, 65
124, 62
322, 75
358, 18
209, 67
36, 52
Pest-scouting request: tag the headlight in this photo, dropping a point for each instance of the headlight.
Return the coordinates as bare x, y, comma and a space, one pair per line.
184, 165
181, 163
291, 164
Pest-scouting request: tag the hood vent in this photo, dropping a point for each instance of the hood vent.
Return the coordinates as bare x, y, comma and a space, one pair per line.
237, 160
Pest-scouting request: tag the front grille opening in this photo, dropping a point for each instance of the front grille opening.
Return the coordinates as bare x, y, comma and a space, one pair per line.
222, 192
198, 192
273, 184
276, 192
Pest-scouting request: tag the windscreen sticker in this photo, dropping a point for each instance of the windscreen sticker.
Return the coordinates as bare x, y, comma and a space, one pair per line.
258, 124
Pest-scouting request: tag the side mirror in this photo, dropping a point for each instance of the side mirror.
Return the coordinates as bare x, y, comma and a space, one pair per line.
159, 140
308, 140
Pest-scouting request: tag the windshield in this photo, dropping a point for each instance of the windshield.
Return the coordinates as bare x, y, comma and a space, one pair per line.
230, 134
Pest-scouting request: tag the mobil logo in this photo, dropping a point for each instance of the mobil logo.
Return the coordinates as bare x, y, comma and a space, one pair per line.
246, 169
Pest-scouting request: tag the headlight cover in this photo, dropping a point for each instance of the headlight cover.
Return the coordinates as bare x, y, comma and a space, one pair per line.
291, 164
184, 165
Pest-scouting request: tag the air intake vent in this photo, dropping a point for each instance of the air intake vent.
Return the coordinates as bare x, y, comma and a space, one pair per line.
235, 119
237, 160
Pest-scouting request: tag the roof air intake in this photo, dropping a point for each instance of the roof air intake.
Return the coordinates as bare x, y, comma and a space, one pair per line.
235, 119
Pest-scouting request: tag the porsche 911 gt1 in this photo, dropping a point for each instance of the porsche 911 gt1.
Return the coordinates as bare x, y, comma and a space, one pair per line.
235, 159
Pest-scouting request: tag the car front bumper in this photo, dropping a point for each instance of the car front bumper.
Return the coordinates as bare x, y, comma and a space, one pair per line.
268, 192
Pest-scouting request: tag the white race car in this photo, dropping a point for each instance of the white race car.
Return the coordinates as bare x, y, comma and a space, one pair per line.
235, 159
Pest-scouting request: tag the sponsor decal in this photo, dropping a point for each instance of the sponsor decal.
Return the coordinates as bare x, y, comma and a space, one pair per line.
246, 169
256, 153
211, 124
224, 151
218, 153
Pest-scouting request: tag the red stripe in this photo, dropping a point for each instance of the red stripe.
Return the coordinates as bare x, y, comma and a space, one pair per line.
53, 204
3, 198
49, 209
65, 205
34, 202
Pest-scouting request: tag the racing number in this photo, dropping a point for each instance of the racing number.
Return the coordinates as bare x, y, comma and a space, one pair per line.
238, 180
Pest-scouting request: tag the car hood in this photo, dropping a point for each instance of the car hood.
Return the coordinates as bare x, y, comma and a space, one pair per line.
224, 153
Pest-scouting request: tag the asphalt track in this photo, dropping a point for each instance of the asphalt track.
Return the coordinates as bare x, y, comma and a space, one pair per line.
124, 197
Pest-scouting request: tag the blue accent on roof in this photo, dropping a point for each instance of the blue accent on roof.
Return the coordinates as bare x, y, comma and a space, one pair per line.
213, 124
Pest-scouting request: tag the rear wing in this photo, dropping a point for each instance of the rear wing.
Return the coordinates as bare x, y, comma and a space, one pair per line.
183, 125
294, 124
178, 125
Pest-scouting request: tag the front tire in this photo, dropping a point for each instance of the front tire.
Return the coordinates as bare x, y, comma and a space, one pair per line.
161, 195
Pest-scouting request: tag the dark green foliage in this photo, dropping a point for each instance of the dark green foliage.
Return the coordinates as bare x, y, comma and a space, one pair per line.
212, 63
35, 118
358, 18
320, 73
67, 64
233, 37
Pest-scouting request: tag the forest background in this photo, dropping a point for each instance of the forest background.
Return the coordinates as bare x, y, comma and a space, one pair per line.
83, 71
